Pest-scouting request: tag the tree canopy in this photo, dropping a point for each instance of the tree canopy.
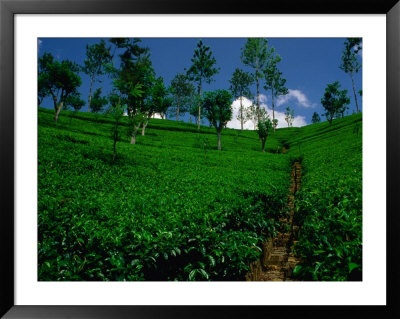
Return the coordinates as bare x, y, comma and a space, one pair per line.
218, 109
334, 101
58, 80
202, 70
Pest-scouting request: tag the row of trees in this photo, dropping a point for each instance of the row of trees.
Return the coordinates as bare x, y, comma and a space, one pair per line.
336, 101
139, 93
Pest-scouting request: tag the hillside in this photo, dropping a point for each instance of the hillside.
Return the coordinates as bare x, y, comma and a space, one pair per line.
172, 207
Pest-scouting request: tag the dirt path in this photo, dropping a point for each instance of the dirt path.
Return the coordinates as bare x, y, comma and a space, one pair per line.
278, 261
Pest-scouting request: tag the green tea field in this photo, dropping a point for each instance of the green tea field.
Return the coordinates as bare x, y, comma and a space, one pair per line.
173, 207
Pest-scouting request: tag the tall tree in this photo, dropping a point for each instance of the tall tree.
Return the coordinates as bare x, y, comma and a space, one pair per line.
289, 116
315, 118
350, 63
98, 101
240, 87
253, 114
264, 127
202, 70
255, 54
334, 100
134, 75
116, 110
218, 110
181, 90
97, 56
158, 102
274, 82
58, 79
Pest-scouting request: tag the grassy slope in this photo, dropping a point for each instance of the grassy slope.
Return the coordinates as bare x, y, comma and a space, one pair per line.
330, 201
173, 207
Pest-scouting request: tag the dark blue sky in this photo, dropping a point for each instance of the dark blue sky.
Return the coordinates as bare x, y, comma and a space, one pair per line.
308, 64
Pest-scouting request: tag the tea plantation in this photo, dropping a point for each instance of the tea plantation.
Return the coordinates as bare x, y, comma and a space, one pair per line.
172, 207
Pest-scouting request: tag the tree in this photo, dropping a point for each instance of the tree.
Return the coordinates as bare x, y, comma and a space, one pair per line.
116, 110
334, 101
255, 54
218, 110
97, 56
274, 82
58, 79
133, 81
202, 70
315, 118
264, 127
181, 90
350, 63
240, 83
98, 101
289, 116
253, 114
158, 102
74, 101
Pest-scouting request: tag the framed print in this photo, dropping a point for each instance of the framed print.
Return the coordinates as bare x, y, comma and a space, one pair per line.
178, 228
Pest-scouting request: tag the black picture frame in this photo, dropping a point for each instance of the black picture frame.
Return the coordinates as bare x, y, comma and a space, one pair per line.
8, 8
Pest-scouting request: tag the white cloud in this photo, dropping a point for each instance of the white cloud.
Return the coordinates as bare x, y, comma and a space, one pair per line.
263, 98
235, 123
298, 121
296, 95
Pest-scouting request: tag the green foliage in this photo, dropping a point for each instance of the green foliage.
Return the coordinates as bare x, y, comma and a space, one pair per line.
98, 102
274, 82
334, 101
264, 128
202, 70
218, 109
315, 118
162, 212
255, 54
177, 209
289, 116
58, 80
203, 65
349, 63
182, 91
240, 83
74, 101
329, 203
97, 55
159, 101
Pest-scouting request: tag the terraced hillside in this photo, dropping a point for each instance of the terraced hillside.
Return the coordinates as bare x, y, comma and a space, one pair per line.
172, 207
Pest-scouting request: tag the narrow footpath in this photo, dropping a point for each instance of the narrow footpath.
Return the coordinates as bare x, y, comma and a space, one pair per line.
278, 261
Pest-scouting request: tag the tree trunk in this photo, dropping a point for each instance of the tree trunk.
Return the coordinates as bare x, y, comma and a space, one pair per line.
258, 99
263, 144
90, 94
273, 109
133, 137
177, 111
241, 113
198, 119
219, 140
354, 90
144, 126
115, 147
58, 110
